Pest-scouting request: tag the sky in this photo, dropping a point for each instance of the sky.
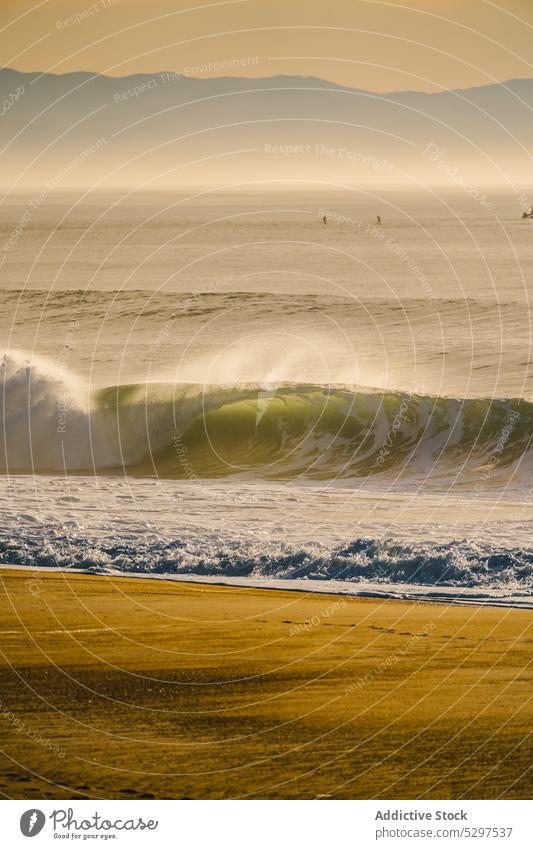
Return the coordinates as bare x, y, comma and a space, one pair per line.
378, 45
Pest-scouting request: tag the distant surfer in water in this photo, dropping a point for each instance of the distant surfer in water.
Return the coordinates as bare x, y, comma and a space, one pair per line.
528, 214
324, 220
378, 219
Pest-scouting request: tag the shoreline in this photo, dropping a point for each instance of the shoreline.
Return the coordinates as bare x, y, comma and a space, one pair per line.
394, 592
143, 689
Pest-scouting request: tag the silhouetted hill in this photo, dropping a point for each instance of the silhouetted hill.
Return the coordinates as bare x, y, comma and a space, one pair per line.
74, 128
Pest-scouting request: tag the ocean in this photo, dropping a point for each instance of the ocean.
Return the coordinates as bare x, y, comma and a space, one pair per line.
223, 384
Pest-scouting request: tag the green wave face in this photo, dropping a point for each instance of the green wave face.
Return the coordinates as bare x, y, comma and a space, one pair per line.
275, 436
292, 431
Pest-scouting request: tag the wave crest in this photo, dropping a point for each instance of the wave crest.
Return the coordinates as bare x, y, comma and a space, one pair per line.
51, 421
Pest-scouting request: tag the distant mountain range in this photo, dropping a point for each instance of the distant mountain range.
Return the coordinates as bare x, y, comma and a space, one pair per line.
164, 129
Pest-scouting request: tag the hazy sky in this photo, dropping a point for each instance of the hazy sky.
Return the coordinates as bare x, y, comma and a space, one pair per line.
372, 44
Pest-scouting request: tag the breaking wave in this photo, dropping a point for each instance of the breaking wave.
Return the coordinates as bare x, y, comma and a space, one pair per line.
51, 422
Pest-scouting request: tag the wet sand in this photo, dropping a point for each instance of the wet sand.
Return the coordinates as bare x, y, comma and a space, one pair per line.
113, 687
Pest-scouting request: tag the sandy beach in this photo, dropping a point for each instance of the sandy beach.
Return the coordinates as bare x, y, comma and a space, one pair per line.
120, 688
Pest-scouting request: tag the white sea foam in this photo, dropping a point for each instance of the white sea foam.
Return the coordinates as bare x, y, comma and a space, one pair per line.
299, 537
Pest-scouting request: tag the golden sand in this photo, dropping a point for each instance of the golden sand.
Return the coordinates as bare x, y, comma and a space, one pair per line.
137, 688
